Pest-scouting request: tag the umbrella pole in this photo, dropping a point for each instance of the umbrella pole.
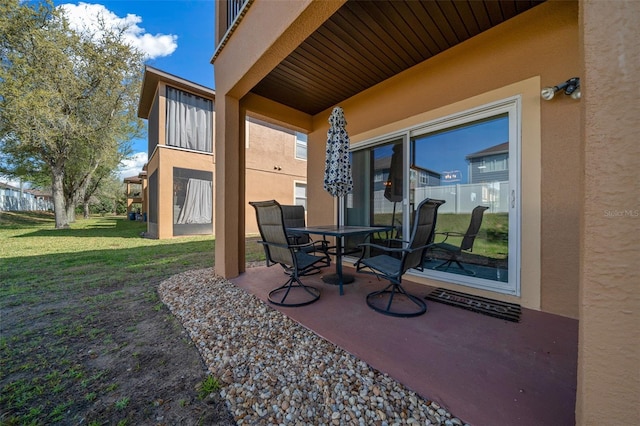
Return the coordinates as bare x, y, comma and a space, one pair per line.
340, 210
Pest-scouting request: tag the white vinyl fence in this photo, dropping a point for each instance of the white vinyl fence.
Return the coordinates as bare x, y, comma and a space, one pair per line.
28, 202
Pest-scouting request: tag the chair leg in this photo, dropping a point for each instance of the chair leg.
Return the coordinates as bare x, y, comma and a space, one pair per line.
449, 262
391, 291
446, 262
293, 283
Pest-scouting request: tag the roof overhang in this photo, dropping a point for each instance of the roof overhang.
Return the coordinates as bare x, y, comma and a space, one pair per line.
133, 179
151, 80
368, 41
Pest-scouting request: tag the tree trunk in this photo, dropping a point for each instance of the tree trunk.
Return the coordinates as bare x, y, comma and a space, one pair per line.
85, 208
59, 210
71, 211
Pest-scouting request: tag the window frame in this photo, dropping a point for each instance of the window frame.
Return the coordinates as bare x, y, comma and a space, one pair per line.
296, 184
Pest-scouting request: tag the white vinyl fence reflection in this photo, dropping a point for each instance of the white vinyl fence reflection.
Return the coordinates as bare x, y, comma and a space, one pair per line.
459, 198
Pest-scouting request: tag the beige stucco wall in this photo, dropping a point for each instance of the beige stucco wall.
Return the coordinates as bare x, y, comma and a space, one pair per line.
609, 336
145, 194
152, 167
511, 59
271, 167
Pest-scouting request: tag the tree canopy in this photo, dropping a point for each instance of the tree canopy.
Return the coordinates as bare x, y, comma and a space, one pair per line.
68, 100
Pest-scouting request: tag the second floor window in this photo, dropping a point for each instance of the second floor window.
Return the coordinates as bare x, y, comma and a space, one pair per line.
301, 146
189, 121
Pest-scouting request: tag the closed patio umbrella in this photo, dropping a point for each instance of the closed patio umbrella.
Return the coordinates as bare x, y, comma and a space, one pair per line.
393, 187
338, 180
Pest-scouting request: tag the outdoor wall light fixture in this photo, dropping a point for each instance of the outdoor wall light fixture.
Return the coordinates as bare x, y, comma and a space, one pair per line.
571, 87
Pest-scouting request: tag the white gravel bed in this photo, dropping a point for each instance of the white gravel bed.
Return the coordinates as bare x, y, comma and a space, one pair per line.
274, 371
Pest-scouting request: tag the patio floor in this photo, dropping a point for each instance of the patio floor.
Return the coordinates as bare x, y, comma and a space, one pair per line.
486, 371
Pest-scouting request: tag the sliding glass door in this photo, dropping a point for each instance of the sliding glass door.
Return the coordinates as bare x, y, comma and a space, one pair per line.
469, 160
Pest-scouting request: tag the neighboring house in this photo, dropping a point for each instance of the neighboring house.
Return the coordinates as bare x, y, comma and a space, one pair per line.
17, 199
43, 197
489, 165
179, 175
386, 185
415, 73
135, 190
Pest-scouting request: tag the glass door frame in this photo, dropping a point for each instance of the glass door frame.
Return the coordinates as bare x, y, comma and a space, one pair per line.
511, 106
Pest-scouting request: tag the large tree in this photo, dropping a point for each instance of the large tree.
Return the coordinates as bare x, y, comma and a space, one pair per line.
104, 185
67, 99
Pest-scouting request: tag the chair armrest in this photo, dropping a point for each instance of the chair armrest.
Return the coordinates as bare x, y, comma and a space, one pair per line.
271, 244
396, 240
286, 246
383, 248
448, 234
421, 247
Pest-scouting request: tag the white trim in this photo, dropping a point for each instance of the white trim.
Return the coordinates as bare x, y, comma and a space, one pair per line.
177, 148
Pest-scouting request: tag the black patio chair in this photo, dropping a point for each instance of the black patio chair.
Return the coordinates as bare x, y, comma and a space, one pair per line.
454, 252
294, 217
388, 266
293, 258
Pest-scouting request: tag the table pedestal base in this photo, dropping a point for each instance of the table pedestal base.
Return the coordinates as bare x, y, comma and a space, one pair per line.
334, 279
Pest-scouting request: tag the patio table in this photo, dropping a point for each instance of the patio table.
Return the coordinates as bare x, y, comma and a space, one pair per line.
339, 232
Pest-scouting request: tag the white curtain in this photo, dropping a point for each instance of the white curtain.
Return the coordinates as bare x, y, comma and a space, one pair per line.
198, 202
189, 121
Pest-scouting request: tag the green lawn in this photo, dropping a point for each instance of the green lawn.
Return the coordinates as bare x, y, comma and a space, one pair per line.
61, 291
491, 241
96, 251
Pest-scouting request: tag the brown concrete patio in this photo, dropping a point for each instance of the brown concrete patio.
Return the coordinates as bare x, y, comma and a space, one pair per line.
484, 370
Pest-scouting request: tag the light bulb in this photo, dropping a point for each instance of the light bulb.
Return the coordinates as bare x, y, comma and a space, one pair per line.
548, 93
577, 94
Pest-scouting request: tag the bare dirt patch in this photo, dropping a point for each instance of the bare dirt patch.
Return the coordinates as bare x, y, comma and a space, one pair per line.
114, 357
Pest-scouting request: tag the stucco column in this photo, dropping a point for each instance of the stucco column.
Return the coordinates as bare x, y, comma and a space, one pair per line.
609, 336
229, 190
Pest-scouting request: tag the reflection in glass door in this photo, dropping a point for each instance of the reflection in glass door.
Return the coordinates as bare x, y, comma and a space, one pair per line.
378, 181
469, 160
467, 166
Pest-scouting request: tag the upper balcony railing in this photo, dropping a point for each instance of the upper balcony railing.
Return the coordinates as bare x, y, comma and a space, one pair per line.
235, 11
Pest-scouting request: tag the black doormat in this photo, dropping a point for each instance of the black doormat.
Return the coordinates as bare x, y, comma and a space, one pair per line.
482, 305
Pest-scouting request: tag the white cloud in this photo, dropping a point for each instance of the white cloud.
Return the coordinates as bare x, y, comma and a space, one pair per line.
85, 16
132, 166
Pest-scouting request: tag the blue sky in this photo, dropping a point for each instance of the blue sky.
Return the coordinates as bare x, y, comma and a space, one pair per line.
447, 150
190, 21
176, 35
